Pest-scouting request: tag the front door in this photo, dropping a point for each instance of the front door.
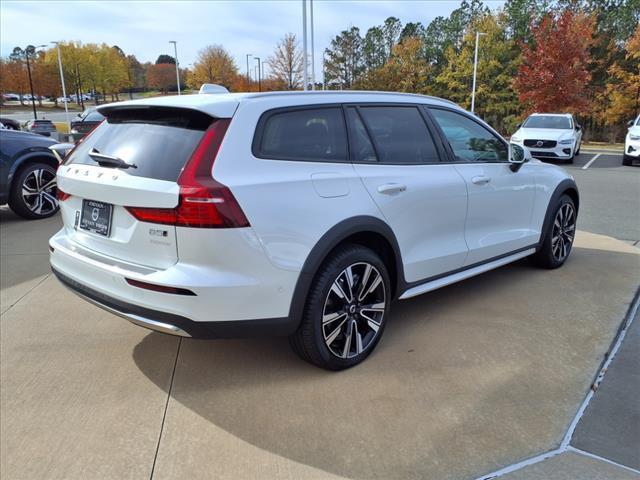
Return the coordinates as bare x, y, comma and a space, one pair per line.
500, 200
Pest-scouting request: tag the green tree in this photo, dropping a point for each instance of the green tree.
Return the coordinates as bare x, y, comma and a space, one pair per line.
496, 100
344, 61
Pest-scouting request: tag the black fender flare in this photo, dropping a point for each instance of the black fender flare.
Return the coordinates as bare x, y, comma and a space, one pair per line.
328, 242
567, 185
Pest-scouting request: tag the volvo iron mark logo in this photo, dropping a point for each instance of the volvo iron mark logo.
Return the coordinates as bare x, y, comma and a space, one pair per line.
539, 143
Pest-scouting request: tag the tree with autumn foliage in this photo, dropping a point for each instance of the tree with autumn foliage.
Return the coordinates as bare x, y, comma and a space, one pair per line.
554, 75
161, 76
286, 62
623, 91
213, 65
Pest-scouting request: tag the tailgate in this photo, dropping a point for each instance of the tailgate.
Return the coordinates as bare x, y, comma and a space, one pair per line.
132, 159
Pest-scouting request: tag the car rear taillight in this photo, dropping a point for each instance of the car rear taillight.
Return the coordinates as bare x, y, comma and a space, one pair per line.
61, 196
203, 201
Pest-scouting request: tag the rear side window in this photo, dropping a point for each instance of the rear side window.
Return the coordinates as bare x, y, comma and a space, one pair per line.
400, 135
312, 134
159, 141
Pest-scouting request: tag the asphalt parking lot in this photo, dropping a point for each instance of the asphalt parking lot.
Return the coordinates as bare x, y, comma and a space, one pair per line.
467, 380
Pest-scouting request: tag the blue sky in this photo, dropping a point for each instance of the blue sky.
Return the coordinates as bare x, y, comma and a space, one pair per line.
144, 28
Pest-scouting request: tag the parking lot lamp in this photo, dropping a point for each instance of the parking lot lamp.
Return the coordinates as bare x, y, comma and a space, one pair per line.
475, 70
248, 74
175, 55
259, 74
64, 89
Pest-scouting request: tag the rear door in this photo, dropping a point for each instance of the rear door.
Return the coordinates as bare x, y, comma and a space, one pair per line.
424, 200
500, 200
156, 142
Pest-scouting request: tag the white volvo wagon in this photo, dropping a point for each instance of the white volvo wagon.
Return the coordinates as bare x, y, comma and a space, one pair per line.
300, 214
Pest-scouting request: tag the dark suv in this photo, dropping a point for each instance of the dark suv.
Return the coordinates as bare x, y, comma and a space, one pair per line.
28, 174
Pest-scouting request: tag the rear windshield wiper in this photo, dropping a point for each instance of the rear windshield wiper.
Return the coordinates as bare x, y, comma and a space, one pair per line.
105, 160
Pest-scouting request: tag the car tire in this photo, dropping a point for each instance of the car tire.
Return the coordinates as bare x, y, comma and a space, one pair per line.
578, 150
33, 191
337, 332
558, 239
627, 160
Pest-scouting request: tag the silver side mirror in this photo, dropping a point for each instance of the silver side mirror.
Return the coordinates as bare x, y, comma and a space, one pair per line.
517, 156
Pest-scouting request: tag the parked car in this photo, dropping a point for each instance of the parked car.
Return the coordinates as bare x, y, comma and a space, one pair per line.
64, 100
632, 143
86, 121
301, 214
11, 97
40, 126
10, 123
550, 136
28, 174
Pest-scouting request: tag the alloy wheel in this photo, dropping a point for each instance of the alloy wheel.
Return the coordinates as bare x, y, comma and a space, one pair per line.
354, 310
39, 191
563, 233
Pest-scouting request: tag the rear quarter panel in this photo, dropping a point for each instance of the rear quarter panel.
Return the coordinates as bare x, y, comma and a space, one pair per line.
283, 200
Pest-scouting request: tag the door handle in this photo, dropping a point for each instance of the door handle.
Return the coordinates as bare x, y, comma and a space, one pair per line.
391, 188
481, 180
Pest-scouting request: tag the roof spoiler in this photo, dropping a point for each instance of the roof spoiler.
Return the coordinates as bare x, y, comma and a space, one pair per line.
212, 88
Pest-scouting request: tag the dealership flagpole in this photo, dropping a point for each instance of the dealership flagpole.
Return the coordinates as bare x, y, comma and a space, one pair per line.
304, 43
313, 56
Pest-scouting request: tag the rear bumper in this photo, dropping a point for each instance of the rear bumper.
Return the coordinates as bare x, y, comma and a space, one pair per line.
253, 300
175, 324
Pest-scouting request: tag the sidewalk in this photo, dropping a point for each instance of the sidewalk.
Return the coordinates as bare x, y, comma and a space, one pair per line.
606, 441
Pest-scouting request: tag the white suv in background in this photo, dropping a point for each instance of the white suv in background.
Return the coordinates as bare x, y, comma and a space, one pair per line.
300, 214
550, 136
632, 143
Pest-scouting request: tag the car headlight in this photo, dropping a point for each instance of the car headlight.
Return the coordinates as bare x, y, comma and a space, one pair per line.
634, 137
568, 141
516, 139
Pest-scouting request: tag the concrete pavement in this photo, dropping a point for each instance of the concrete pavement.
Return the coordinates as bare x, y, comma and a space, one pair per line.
466, 380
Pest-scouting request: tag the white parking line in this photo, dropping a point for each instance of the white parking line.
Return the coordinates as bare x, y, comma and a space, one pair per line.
588, 164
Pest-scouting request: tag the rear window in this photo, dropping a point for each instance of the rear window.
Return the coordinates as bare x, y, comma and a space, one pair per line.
159, 141
316, 134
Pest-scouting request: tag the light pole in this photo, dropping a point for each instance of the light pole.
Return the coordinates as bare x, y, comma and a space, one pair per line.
259, 74
248, 74
30, 50
64, 89
175, 55
475, 70
304, 43
324, 71
313, 55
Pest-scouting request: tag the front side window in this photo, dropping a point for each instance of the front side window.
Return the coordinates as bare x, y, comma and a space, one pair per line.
314, 134
469, 140
400, 135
